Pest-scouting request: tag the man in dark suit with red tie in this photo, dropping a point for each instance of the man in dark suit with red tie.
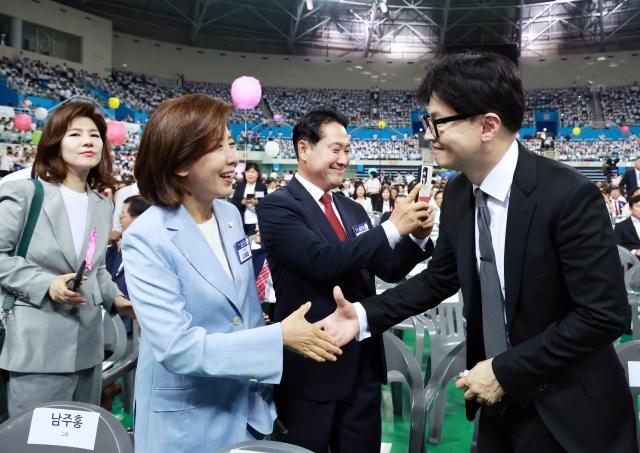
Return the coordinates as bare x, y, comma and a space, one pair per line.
314, 241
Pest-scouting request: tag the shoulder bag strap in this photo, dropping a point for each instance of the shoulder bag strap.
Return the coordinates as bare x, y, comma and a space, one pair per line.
32, 219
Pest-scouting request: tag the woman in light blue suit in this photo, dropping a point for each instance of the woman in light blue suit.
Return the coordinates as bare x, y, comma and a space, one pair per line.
207, 362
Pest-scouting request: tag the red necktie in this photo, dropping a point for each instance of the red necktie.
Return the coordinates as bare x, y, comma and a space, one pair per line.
261, 281
325, 199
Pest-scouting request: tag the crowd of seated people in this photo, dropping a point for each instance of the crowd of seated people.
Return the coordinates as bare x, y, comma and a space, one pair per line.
395, 107
405, 148
597, 150
589, 150
291, 103
573, 105
364, 107
621, 105
37, 78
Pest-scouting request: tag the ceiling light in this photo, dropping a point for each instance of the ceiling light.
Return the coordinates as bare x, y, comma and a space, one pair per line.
309, 5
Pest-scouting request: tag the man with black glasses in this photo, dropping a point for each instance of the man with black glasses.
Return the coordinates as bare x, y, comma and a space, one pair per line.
528, 240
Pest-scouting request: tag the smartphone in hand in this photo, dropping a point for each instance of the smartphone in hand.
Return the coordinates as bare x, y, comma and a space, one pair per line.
426, 174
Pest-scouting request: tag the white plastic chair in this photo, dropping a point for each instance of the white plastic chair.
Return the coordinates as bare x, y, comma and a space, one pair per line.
627, 258
632, 285
403, 367
448, 330
115, 339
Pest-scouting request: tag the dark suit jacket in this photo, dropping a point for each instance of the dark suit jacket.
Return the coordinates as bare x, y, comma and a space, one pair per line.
238, 195
307, 260
565, 300
113, 260
257, 259
377, 205
626, 235
629, 182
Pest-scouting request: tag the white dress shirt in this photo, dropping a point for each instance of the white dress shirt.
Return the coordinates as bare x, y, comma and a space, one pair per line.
497, 186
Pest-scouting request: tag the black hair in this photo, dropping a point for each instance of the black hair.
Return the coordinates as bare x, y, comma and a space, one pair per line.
308, 126
252, 166
137, 205
633, 200
475, 83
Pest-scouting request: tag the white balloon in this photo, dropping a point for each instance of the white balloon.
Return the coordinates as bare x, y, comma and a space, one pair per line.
41, 113
272, 148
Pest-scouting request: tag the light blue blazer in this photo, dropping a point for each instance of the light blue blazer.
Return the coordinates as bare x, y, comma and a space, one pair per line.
207, 361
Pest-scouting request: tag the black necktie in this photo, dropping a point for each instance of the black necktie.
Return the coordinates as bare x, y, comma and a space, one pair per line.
493, 313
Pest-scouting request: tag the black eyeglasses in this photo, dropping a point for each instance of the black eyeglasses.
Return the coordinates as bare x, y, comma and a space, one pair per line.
432, 124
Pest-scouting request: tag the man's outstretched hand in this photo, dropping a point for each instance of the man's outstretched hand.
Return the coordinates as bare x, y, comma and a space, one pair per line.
342, 325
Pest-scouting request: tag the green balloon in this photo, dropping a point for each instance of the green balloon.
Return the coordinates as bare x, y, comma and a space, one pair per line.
35, 137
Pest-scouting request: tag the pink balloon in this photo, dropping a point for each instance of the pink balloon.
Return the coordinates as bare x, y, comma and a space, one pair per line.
624, 130
246, 92
23, 122
518, 135
277, 117
116, 133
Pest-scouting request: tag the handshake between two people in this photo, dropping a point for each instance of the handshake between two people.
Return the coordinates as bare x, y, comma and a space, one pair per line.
479, 383
321, 342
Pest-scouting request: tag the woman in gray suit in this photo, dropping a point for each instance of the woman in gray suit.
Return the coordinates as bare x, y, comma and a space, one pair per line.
54, 344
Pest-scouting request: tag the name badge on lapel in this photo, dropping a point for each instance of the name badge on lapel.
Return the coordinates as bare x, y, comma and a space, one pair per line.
243, 250
359, 229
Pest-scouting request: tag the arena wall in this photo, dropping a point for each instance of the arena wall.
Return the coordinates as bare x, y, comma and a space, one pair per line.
96, 32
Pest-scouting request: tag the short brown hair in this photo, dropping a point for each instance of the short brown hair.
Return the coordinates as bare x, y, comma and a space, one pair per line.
179, 132
48, 164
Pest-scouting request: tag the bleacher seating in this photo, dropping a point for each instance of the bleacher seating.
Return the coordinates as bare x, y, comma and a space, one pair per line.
573, 105
621, 105
363, 107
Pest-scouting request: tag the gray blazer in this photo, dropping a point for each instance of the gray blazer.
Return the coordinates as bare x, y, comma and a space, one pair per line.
44, 336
